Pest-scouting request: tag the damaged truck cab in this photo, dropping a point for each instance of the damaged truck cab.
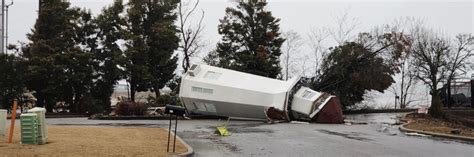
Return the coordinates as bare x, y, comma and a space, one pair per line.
208, 90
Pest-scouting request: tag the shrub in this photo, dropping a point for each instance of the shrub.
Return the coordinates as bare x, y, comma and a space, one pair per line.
131, 108
161, 101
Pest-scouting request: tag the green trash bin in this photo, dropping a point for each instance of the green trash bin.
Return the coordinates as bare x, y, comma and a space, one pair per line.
29, 128
3, 122
42, 128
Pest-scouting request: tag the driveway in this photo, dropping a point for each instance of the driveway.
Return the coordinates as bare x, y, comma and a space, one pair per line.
379, 137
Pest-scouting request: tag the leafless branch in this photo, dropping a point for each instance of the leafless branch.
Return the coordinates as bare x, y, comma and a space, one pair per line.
290, 53
345, 26
190, 34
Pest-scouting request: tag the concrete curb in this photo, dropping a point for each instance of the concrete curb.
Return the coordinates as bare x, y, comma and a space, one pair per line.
190, 149
404, 129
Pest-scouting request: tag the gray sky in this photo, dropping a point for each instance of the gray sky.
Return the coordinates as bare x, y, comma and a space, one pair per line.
448, 16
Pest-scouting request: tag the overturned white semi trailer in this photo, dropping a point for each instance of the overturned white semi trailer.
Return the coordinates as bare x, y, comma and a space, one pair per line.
208, 90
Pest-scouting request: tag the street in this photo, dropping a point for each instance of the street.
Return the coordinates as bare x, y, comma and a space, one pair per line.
379, 137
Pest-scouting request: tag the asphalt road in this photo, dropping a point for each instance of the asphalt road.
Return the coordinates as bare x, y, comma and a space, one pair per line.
379, 137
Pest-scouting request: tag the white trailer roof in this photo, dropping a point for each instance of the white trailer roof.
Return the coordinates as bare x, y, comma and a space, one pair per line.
236, 79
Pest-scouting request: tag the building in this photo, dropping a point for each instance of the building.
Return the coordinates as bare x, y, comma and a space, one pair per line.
208, 90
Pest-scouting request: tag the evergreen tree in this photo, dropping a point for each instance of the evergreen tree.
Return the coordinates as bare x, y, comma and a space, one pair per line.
59, 56
11, 83
250, 40
352, 69
78, 60
48, 41
109, 25
136, 65
152, 39
162, 41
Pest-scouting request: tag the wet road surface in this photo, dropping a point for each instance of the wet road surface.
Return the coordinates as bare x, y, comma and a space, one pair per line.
379, 137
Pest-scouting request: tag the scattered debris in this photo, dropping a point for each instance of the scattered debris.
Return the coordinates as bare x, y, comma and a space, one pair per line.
416, 134
422, 110
456, 131
222, 129
275, 115
348, 122
387, 130
298, 122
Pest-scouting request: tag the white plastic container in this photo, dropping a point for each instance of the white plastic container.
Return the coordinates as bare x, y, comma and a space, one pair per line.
43, 132
3, 122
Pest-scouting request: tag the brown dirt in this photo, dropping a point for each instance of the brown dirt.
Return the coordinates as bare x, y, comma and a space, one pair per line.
94, 141
430, 124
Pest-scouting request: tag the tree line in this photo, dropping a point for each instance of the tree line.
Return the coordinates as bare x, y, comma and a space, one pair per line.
77, 58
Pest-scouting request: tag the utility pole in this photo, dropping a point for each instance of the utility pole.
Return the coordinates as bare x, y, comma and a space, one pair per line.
2, 27
6, 25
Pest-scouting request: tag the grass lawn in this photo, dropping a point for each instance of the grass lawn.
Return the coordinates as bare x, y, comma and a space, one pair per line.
94, 141
438, 126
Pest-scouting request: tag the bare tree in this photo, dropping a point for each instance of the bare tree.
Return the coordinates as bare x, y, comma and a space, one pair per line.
342, 32
403, 89
345, 26
190, 33
430, 55
460, 53
290, 53
319, 51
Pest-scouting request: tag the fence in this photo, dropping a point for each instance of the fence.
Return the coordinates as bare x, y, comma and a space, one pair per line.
458, 94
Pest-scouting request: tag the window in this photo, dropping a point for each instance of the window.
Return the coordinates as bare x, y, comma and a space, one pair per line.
194, 70
210, 107
204, 107
308, 94
202, 90
211, 75
200, 106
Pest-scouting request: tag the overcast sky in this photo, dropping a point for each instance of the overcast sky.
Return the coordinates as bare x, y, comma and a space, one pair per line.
449, 16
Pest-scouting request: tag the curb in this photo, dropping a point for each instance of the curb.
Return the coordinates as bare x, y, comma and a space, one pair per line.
404, 129
190, 149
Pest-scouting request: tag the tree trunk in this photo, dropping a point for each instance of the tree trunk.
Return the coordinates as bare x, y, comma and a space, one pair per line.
402, 88
435, 109
39, 99
448, 95
186, 60
132, 92
49, 104
157, 91
472, 93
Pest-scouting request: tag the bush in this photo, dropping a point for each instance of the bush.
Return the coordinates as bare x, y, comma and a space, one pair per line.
131, 108
162, 101
93, 105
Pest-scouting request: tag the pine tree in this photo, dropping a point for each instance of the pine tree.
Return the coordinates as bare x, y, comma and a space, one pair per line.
162, 41
109, 25
250, 42
59, 56
152, 40
11, 84
47, 43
